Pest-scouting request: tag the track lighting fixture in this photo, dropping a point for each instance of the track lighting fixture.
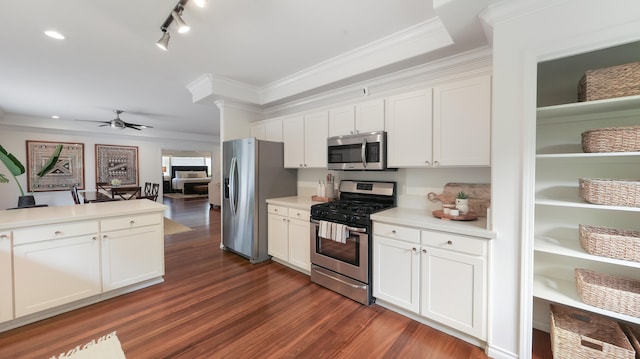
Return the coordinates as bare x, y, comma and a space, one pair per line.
163, 43
175, 15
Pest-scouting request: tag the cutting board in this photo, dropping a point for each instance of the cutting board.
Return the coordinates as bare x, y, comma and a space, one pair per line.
479, 196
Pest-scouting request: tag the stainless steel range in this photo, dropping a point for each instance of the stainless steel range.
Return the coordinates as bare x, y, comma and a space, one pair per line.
341, 238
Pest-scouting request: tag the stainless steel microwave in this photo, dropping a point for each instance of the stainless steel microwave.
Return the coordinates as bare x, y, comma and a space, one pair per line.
362, 151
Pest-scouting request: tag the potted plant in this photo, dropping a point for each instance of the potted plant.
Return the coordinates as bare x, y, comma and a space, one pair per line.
462, 202
16, 168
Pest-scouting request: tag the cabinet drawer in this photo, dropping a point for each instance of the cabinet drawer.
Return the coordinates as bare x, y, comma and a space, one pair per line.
299, 214
279, 210
129, 222
454, 242
397, 232
54, 231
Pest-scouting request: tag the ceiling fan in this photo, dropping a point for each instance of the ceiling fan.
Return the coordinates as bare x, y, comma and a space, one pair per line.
120, 124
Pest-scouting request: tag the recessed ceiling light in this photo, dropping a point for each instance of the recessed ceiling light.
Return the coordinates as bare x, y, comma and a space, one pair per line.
54, 34
55, 116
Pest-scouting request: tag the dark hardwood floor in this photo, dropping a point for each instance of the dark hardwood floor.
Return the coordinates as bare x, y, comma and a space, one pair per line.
215, 304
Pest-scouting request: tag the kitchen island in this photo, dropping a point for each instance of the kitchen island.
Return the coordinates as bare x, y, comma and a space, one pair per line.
59, 258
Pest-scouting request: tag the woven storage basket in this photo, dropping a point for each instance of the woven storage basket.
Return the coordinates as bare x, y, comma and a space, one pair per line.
617, 294
633, 334
610, 242
610, 82
611, 139
610, 192
576, 334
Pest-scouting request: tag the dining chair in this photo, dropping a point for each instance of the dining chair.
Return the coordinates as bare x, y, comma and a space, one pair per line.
74, 194
147, 188
152, 194
125, 193
103, 187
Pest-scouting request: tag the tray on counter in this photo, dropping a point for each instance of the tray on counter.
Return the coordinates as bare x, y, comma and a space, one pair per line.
471, 216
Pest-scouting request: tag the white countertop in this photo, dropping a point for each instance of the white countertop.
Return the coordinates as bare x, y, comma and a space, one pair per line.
423, 218
26, 217
299, 202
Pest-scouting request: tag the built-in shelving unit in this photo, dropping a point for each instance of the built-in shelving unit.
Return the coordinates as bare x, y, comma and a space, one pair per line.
560, 162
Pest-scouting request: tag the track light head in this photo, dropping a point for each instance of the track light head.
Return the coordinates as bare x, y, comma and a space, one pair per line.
182, 26
163, 43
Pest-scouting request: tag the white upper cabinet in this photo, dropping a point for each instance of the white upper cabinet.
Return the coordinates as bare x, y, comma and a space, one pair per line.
409, 129
359, 118
462, 123
268, 131
305, 140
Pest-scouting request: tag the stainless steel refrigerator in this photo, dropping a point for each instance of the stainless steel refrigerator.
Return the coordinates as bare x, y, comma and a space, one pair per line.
253, 171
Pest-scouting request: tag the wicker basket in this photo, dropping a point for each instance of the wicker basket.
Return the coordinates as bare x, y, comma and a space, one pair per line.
620, 295
610, 242
610, 192
610, 82
633, 334
576, 334
611, 139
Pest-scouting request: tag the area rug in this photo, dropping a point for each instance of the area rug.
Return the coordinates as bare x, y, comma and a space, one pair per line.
173, 227
106, 347
181, 195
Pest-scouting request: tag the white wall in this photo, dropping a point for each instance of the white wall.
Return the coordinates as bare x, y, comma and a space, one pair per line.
523, 34
13, 139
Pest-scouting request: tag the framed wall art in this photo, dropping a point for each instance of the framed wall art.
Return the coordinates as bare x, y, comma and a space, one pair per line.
68, 171
117, 163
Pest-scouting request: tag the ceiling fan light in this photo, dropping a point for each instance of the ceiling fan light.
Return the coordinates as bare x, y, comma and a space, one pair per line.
182, 26
163, 43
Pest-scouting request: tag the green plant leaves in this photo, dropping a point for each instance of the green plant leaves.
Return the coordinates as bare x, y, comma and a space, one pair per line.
13, 164
51, 162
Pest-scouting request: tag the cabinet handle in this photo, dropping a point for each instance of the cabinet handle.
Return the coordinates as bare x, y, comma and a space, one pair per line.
57, 233
414, 249
284, 220
436, 163
94, 238
427, 163
104, 236
449, 242
275, 210
3, 236
132, 222
424, 251
393, 231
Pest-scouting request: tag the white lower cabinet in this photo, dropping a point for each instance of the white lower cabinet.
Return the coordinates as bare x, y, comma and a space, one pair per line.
55, 265
123, 239
288, 236
440, 276
6, 278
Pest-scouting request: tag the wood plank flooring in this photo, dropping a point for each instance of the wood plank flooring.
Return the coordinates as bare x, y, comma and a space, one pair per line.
215, 304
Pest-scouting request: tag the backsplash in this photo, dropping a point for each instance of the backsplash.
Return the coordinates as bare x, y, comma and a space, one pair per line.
413, 183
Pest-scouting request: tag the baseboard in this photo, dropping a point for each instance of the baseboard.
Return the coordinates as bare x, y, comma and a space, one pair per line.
499, 353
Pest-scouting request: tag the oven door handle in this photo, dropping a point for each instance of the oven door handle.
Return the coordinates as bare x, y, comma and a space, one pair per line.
350, 229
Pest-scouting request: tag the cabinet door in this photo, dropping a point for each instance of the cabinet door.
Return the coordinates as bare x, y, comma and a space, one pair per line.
462, 123
131, 255
396, 272
277, 237
55, 272
370, 116
341, 121
316, 131
409, 132
299, 242
453, 290
273, 131
6, 278
259, 131
293, 138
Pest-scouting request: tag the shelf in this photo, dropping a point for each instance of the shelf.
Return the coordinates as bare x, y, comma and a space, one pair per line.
571, 247
549, 113
574, 155
552, 283
568, 199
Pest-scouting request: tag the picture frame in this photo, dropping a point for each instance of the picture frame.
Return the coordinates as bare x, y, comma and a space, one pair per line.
117, 162
68, 171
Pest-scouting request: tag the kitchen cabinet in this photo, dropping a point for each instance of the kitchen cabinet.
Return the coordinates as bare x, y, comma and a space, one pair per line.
305, 140
288, 236
359, 118
437, 275
6, 277
268, 131
559, 210
447, 125
462, 123
123, 239
54, 265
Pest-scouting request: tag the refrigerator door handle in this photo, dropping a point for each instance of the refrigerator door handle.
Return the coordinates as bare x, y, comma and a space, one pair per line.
233, 200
